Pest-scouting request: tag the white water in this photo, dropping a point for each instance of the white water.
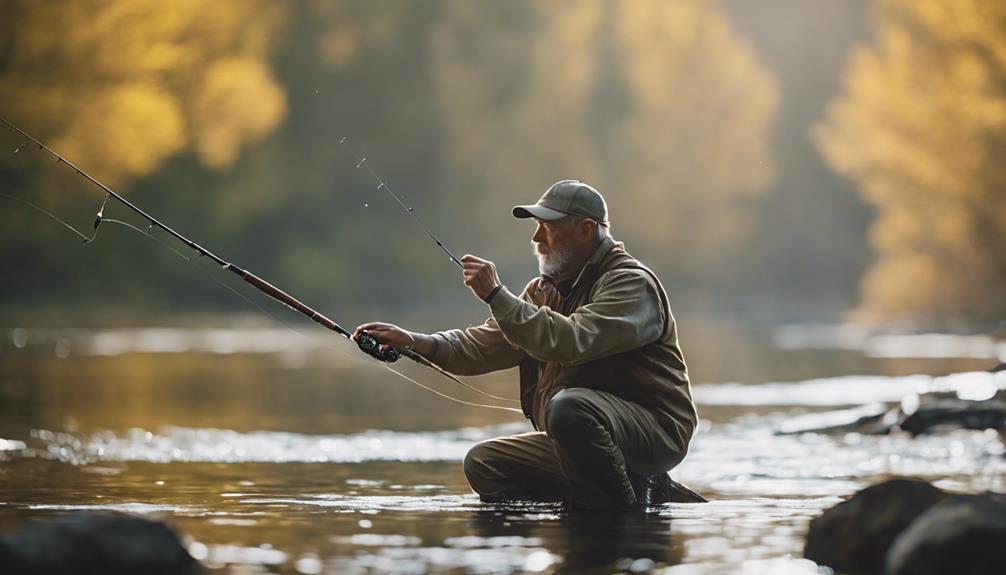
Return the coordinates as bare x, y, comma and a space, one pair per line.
850, 390
351, 508
889, 345
745, 455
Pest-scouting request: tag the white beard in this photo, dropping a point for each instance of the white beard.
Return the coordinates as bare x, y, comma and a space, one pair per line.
553, 264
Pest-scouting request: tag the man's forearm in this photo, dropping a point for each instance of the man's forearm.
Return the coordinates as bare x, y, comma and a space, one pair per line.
624, 314
469, 351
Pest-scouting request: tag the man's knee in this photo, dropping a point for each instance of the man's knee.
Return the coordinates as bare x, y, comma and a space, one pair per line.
476, 467
569, 411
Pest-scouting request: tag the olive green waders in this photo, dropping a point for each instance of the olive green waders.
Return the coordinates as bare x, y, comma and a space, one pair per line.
596, 446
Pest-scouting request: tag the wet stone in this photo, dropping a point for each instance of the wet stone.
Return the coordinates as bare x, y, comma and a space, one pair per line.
95, 543
856, 534
956, 414
930, 413
963, 534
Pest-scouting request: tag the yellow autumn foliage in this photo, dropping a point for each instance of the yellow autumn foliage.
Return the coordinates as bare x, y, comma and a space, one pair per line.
237, 102
135, 109
119, 86
921, 127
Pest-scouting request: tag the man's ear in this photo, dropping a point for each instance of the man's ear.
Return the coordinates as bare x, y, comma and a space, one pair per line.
587, 229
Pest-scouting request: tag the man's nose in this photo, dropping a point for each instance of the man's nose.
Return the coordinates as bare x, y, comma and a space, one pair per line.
539, 233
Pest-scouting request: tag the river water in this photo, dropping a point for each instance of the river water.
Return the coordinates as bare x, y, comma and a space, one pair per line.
282, 452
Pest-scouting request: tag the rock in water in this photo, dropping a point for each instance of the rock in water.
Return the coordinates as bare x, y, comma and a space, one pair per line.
855, 535
962, 535
957, 414
95, 543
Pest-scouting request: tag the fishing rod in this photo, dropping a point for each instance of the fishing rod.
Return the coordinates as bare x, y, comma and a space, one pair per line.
366, 342
411, 211
362, 163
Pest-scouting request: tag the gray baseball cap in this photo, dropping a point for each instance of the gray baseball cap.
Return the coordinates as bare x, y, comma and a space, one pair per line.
567, 198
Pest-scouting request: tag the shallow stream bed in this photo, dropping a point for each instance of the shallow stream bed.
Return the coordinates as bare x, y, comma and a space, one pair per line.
298, 456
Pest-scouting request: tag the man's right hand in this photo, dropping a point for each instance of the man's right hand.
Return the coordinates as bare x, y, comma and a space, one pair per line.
387, 334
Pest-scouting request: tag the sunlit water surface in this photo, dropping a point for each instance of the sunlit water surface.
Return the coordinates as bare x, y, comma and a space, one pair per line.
290, 454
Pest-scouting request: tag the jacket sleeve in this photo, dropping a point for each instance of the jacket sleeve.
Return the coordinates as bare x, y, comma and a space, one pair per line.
480, 349
475, 350
624, 314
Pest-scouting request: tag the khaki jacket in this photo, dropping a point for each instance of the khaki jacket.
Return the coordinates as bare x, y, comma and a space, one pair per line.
612, 330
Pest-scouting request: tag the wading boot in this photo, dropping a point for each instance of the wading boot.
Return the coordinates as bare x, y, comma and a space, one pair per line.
660, 488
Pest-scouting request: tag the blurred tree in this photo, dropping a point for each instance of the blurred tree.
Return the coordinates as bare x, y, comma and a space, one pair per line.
658, 103
922, 129
698, 136
812, 247
227, 120
120, 86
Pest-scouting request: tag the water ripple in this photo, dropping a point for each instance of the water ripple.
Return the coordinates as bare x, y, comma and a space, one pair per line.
375, 503
850, 390
182, 444
131, 507
742, 457
746, 457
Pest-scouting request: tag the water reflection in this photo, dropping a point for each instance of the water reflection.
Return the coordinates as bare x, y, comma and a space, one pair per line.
890, 345
586, 542
756, 454
852, 389
321, 466
179, 444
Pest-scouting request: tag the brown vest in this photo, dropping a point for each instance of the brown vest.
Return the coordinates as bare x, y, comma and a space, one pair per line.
653, 375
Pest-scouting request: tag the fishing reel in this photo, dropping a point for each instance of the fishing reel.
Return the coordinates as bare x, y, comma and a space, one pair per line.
370, 346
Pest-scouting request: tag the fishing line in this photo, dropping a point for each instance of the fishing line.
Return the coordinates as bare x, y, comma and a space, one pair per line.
362, 163
218, 281
447, 374
366, 342
461, 401
152, 237
46, 212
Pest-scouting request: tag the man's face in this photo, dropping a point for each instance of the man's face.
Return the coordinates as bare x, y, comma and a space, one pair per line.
553, 245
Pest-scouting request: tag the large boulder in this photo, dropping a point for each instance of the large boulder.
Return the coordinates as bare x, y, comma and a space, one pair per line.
961, 535
855, 535
95, 543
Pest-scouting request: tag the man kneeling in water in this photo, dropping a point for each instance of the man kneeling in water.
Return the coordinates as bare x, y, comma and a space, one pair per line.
602, 377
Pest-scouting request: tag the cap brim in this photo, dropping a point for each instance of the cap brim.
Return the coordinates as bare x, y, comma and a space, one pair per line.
536, 211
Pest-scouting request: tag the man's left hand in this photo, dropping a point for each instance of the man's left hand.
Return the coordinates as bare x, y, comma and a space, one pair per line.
480, 276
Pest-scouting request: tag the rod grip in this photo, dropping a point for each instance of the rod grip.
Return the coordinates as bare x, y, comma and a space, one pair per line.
275, 293
287, 299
